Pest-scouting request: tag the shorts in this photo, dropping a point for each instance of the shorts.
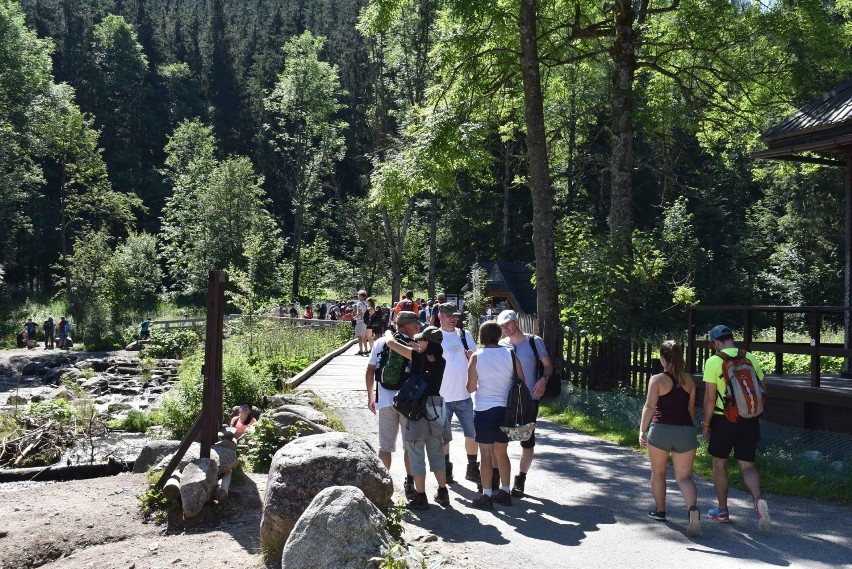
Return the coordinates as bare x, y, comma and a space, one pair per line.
530, 442
30, 335
418, 450
377, 330
488, 425
63, 335
360, 328
741, 437
464, 412
673, 438
390, 426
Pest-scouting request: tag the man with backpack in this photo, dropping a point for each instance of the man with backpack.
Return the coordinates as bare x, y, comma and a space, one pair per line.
49, 329
383, 379
407, 304
732, 422
458, 346
535, 361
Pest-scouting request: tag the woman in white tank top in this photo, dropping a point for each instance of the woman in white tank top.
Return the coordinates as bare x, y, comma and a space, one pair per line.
489, 378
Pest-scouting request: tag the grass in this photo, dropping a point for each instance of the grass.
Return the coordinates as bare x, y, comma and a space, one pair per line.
776, 474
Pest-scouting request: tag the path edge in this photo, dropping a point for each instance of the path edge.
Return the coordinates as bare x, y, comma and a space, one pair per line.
306, 373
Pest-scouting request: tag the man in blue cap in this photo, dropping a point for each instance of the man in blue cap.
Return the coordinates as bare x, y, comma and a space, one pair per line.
724, 436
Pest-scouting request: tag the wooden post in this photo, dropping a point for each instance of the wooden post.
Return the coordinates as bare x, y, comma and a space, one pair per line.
847, 258
779, 339
815, 323
690, 342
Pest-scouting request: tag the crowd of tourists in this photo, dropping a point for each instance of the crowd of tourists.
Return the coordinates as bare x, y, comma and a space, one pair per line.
471, 383
55, 334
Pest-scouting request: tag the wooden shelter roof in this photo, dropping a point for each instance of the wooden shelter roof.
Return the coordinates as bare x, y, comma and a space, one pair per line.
822, 126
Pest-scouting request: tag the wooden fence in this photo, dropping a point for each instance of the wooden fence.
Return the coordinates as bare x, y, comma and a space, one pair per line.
611, 364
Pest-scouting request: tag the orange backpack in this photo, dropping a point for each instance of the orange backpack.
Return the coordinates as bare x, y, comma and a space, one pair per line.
745, 395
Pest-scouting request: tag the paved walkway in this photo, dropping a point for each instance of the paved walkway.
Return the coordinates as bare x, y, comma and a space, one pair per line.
586, 507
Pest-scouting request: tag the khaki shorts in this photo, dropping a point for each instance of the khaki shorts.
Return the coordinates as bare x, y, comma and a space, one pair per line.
390, 427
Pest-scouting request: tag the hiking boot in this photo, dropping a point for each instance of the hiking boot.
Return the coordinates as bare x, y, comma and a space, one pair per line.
449, 471
418, 502
694, 527
483, 503
764, 522
657, 515
495, 480
502, 497
442, 497
408, 487
518, 486
719, 515
472, 472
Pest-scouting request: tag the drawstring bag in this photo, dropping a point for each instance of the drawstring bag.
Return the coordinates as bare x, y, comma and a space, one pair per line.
519, 423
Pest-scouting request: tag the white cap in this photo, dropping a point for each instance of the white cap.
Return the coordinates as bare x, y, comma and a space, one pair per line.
506, 316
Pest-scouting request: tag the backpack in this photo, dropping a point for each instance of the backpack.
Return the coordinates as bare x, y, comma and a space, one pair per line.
519, 422
406, 304
47, 326
463, 336
390, 366
410, 401
745, 395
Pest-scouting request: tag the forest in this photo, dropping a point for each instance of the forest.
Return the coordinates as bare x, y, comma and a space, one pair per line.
312, 146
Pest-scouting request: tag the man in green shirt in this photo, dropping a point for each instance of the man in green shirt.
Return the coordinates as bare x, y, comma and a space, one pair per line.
725, 436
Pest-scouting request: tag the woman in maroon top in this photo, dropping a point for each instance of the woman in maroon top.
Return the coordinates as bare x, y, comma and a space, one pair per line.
668, 427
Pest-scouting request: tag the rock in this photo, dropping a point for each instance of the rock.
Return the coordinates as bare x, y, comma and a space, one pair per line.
812, 455
273, 401
62, 392
30, 369
197, 482
344, 512
228, 444
97, 383
304, 467
152, 453
100, 365
225, 458
53, 376
134, 346
115, 408
36, 398
283, 420
16, 400
308, 413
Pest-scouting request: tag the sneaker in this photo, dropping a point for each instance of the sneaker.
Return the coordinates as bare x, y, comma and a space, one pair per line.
418, 502
694, 527
764, 522
359, 353
502, 497
719, 515
408, 487
449, 472
483, 503
518, 486
472, 472
656, 515
442, 497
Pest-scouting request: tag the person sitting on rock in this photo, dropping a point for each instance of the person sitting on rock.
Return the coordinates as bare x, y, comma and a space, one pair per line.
242, 421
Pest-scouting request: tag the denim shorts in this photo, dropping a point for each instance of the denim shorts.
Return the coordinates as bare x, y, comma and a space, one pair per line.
463, 410
488, 424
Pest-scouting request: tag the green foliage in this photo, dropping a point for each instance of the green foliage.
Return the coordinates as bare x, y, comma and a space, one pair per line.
266, 439
133, 277
51, 409
395, 514
137, 421
172, 344
400, 556
153, 505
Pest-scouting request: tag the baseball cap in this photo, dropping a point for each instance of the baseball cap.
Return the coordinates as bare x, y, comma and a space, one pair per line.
442, 297
506, 316
406, 317
719, 331
448, 309
430, 334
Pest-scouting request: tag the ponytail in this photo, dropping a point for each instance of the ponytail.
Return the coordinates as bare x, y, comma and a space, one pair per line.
673, 354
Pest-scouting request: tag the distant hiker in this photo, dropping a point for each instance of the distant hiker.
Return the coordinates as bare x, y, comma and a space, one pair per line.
293, 312
667, 427
49, 329
30, 327
740, 434
62, 331
359, 309
145, 329
309, 313
407, 304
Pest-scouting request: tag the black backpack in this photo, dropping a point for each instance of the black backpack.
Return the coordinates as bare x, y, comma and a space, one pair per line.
410, 401
390, 366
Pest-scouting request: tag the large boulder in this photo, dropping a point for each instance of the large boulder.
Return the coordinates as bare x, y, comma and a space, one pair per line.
283, 421
273, 401
152, 453
30, 368
303, 468
197, 483
344, 512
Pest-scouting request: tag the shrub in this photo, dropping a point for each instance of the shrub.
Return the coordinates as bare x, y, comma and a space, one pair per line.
56, 409
175, 344
264, 442
137, 421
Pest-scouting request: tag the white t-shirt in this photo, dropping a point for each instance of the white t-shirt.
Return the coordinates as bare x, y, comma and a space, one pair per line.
454, 384
360, 309
527, 357
385, 398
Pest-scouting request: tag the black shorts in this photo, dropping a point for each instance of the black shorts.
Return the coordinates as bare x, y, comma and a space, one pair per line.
741, 437
530, 442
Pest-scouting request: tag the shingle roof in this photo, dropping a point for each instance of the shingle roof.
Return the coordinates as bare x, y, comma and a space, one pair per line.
508, 276
829, 111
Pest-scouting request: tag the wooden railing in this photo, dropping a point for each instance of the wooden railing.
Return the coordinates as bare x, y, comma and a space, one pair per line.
296, 322
697, 350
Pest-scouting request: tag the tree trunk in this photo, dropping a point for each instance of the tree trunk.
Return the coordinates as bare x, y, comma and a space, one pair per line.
542, 197
620, 213
396, 240
297, 253
507, 182
433, 246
